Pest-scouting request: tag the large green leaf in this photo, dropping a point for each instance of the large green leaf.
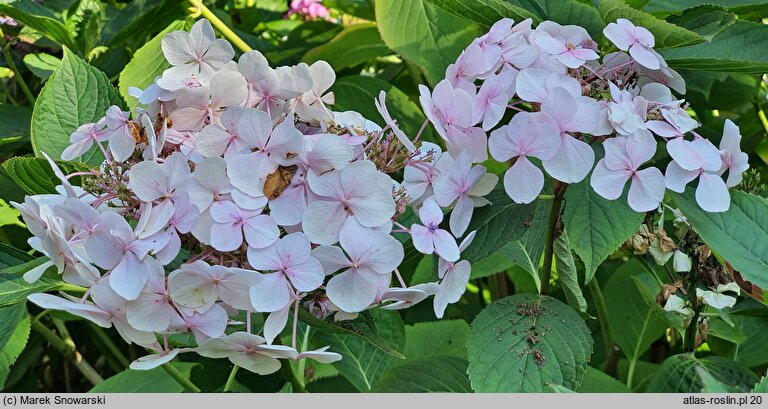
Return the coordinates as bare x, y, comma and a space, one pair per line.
679, 374
566, 272
147, 63
75, 94
364, 364
486, 12
707, 20
727, 51
357, 93
47, 26
749, 351
14, 289
739, 235
445, 337
155, 380
634, 324
14, 332
437, 373
35, 175
524, 342
300, 39
353, 46
526, 252
424, 34
667, 34
596, 226
501, 222
671, 6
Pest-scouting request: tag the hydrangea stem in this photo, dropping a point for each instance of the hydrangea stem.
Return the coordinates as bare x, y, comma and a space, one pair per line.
181, 379
12, 65
223, 29
116, 352
554, 216
68, 350
231, 379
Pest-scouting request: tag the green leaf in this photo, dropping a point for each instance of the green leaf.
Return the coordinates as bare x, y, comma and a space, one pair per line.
147, 63
596, 226
424, 34
357, 93
438, 373
300, 39
678, 374
9, 215
501, 222
75, 94
14, 289
35, 175
566, 272
527, 251
634, 324
445, 337
155, 380
642, 373
358, 8
525, 342
11, 257
709, 383
739, 235
42, 64
707, 20
363, 327
486, 12
14, 333
666, 34
353, 46
596, 381
762, 386
750, 351
721, 329
14, 120
575, 12
671, 6
364, 364
726, 52
47, 26
141, 16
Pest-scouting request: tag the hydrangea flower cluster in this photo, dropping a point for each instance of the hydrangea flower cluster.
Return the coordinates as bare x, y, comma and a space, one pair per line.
234, 190
567, 99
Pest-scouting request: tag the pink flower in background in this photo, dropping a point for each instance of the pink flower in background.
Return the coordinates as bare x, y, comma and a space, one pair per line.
313, 9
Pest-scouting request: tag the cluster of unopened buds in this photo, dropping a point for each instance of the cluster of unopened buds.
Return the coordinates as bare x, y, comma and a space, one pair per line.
236, 190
